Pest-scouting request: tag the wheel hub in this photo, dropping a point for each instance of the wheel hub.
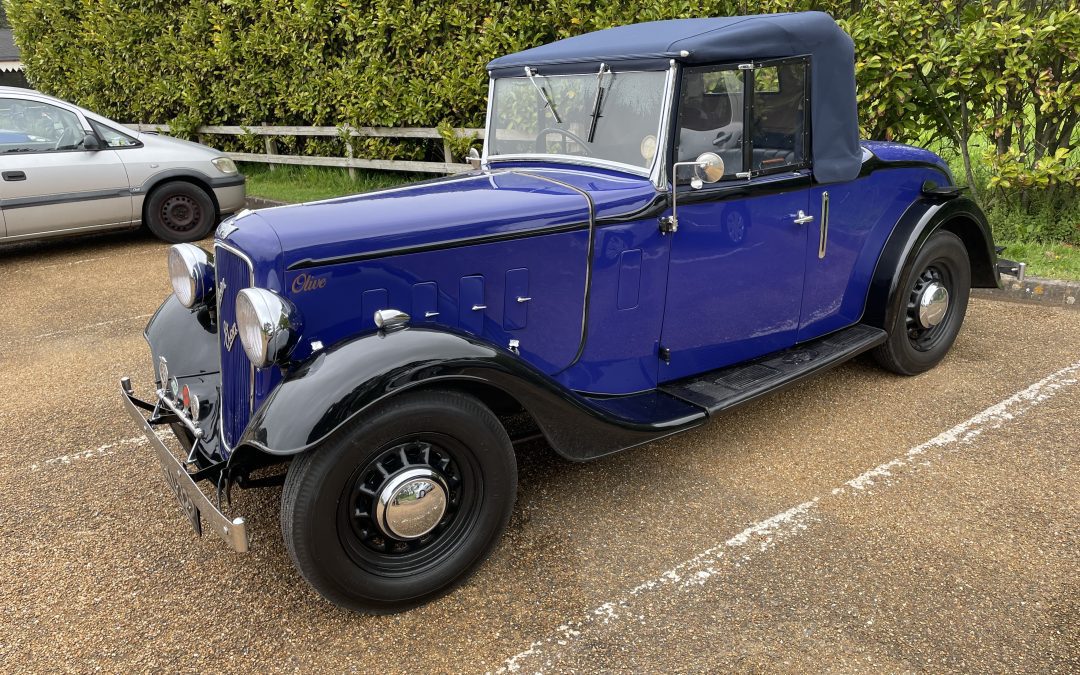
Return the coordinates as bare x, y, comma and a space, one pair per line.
180, 212
933, 304
411, 503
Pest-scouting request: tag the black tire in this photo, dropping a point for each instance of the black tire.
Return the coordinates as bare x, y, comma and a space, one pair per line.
179, 212
333, 534
913, 348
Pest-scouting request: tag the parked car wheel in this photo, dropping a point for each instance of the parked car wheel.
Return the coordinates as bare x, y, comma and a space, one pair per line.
930, 307
179, 211
402, 505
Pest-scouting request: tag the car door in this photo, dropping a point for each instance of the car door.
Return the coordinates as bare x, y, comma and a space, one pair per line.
50, 183
737, 259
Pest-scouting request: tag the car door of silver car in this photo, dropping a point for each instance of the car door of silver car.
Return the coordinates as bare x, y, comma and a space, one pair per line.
50, 182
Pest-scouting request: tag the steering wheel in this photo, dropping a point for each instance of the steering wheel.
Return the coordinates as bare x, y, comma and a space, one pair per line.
542, 136
63, 136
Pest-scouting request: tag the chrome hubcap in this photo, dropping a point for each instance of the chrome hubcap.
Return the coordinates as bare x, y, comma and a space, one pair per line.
933, 304
412, 503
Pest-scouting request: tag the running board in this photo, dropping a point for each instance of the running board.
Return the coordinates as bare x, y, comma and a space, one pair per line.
723, 389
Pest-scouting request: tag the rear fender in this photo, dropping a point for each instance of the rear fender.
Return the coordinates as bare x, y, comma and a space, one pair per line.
958, 215
333, 387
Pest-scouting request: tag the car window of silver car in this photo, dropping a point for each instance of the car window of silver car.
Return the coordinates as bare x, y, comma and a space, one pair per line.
33, 126
113, 138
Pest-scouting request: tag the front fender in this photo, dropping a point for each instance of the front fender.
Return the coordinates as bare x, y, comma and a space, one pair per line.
187, 338
958, 215
332, 387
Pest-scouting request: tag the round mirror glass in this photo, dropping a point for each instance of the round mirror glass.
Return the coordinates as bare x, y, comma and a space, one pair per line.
710, 167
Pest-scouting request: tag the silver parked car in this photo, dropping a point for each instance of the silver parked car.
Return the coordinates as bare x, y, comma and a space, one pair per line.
68, 171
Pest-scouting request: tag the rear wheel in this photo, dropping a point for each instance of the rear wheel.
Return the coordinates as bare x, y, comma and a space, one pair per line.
929, 308
403, 505
180, 212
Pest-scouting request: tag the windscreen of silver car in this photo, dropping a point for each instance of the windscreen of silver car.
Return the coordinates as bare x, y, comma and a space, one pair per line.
191, 271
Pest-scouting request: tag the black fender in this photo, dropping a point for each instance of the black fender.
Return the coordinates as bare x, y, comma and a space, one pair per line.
187, 338
927, 215
332, 387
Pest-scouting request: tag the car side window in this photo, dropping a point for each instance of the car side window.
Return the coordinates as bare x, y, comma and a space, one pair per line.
32, 126
711, 116
764, 131
779, 120
113, 138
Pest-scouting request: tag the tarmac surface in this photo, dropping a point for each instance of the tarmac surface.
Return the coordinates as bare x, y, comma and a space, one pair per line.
858, 522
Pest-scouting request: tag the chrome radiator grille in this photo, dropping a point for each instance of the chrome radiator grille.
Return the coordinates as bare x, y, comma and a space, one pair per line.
233, 272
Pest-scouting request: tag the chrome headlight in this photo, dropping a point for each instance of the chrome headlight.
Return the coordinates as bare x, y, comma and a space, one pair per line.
269, 325
191, 271
224, 165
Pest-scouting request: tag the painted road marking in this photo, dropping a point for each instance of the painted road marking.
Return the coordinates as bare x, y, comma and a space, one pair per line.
94, 453
764, 535
93, 325
64, 264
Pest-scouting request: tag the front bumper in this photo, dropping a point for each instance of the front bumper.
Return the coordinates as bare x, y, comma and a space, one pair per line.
230, 198
192, 500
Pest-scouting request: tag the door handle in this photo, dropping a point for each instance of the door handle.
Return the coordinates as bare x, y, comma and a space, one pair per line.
14, 175
802, 218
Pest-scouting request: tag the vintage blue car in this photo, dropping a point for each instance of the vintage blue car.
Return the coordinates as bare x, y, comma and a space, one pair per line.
668, 220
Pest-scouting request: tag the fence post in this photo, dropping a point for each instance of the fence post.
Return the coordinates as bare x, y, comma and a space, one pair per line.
349, 150
271, 148
448, 152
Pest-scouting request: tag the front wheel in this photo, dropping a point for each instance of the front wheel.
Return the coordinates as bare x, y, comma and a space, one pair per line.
402, 505
929, 308
179, 212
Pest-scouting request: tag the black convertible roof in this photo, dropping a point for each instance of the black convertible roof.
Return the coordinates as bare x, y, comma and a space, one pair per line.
653, 45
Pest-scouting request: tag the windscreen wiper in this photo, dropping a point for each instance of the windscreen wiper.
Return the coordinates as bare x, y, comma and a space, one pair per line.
598, 101
531, 74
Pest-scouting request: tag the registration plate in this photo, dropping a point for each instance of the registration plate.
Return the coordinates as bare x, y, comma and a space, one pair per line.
189, 508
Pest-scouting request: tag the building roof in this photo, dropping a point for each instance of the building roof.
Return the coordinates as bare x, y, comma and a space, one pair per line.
9, 51
654, 45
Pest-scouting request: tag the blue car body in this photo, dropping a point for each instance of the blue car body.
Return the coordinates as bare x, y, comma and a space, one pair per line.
566, 286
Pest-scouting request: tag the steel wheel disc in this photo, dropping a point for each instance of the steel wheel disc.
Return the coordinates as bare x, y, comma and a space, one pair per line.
410, 505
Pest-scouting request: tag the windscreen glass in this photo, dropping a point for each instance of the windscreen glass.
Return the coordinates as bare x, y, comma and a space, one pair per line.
608, 116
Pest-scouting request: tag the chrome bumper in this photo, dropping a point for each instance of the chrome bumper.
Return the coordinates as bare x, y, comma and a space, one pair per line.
192, 500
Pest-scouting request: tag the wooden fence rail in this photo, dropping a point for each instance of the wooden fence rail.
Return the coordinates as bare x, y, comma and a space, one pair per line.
272, 157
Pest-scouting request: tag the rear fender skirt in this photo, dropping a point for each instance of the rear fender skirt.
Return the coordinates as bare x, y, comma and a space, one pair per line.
923, 218
187, 338
332, 387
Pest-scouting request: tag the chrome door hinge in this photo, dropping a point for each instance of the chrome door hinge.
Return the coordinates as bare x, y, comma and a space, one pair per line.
668, 225
665, 354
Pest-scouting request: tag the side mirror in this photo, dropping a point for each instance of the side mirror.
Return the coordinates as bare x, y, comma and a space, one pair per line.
473, 158
91, 142
710, 167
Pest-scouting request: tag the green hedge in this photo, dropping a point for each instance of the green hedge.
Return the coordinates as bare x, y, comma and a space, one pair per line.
990, 83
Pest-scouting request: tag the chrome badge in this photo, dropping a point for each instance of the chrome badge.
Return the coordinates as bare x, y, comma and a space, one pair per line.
230, 335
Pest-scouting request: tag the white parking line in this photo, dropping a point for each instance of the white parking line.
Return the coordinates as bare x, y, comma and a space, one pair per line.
123, 253
65, 264
93, 325
763, 535
94, 453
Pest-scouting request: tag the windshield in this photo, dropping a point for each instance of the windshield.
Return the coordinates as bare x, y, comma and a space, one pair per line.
600, 115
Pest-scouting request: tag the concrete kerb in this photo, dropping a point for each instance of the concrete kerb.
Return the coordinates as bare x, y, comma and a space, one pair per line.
254, 203
1035, 291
